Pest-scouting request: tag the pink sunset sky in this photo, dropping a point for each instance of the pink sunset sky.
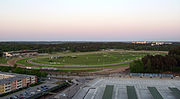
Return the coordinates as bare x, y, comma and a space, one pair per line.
90, 20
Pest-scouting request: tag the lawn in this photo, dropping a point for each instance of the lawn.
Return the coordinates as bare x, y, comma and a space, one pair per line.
3, 60
91, 59
23, 61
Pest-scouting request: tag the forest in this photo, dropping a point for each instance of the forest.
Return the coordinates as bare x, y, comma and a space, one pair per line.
158, 63
19, 70
50, 47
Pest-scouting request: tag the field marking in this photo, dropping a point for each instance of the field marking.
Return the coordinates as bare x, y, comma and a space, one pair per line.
116, 94
96, 82
94, 94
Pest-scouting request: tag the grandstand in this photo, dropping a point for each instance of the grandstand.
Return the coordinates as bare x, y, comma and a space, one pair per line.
130, 88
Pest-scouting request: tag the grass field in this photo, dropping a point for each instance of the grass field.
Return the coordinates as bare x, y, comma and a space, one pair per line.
3, 60
90, 59
23, 61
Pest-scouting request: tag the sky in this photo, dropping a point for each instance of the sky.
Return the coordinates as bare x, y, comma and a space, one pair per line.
89, 20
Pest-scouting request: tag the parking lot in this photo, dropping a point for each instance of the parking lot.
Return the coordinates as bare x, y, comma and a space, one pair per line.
95, 89
29, 92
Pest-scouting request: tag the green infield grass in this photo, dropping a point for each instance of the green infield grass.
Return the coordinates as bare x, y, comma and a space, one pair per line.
76, 61
91, 59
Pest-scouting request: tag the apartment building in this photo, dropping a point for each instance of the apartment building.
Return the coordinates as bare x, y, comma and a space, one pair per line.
11, 81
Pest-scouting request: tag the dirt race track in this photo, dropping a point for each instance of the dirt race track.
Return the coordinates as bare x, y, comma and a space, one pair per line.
100, 70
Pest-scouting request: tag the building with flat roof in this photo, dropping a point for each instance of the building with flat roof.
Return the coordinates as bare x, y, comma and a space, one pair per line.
12, 81
127, 88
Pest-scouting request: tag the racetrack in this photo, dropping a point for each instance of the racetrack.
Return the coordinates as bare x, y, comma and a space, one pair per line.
114, 65
91, 59
40, 64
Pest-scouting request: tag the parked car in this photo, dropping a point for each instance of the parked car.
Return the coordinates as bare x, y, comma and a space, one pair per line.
32, 93
14, 97
11, 98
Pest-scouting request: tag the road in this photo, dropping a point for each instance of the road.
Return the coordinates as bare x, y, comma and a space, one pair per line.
70, 92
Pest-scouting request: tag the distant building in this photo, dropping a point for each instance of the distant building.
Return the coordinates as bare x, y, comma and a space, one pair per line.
152, 43
11, 81
139, 42
21, 53
159, 43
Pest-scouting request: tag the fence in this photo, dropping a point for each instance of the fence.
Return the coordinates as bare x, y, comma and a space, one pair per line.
151, 75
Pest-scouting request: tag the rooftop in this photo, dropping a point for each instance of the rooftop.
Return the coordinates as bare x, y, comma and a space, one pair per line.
13, 78
141, 88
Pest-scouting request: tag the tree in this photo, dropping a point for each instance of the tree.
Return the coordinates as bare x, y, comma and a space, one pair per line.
1, 53
15, 66
175, 51
137, 66
5, 69
148, 66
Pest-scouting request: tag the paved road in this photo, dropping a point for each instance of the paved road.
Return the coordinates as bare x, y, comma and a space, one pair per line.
70, 92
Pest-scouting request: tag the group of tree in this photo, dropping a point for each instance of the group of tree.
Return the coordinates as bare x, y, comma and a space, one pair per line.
23, 71
79, 46
158, 63
1, 53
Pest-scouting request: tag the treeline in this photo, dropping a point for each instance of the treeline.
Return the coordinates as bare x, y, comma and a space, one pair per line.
158, 63
23, 71
79, 46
